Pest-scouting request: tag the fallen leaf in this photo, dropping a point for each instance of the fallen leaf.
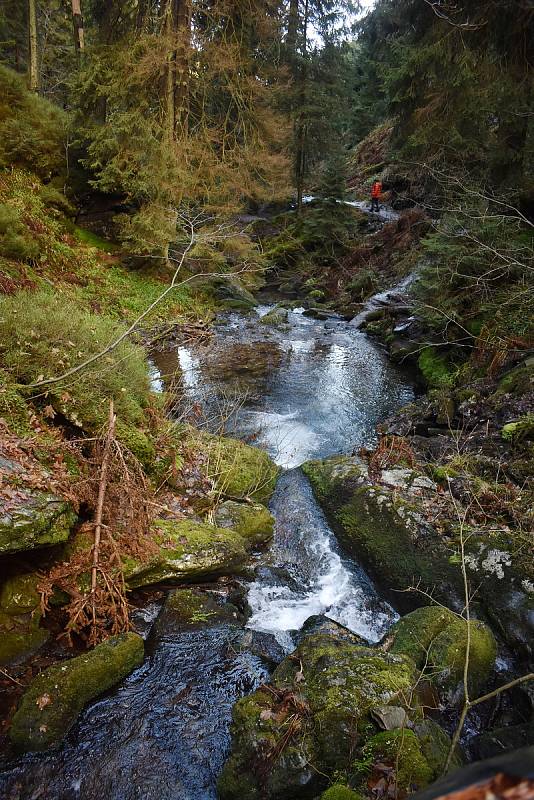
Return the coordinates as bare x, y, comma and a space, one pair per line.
43, 701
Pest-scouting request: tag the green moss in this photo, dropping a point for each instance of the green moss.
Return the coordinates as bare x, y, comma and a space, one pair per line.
137, 442
237, 470
447, 654
187, 604
340, 792
436, 368
55, 698
520, 430
435, 745
20, 636
92, 240
251, 520
414, 633
380, 528
516, 382
436, 639
19, 594
13, 408
189, 551
276, 316
402, 750
41, 519
336, 685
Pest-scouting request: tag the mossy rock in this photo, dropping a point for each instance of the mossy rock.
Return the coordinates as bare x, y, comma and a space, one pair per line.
436, 368
232, 294
193, 608
37, 519
189, 551
383, 528
138, 442
251, 520
435, 745
448, 651
436, 639
521, 430
19, 594
340, 792
332, 686
55, 698
20, 636
401, 749
414, 633
237, 470
276, 316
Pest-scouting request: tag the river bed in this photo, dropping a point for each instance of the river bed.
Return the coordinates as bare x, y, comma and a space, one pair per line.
304, 389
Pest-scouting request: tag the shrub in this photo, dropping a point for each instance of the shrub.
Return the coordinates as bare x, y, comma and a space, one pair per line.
43, 334
15, 239
32, 130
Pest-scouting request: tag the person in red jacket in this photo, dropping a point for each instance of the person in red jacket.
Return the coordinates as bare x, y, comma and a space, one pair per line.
376, 191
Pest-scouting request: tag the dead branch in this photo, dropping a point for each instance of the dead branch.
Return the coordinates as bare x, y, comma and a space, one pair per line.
100, 505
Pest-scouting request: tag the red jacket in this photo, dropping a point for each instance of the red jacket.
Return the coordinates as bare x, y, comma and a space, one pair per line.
376, 189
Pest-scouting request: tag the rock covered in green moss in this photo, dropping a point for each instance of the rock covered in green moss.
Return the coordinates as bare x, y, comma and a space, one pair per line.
436, 639
189, 551
401, 749
237, 470
34, 519
251, 520
520, 430
340, 792
193, 608
383, 526
276, 316
327, 690
20, 633
55, 698
19, 594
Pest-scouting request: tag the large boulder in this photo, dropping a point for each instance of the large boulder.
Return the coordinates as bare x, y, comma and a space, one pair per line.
239, 472
55, 698
232, 294
251, 520
319, 720
436, 639
188, 551
381, 525
31, 519
277, 316
20, 633
385, 524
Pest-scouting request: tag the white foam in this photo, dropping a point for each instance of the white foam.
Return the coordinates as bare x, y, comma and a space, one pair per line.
333, 592
290, 441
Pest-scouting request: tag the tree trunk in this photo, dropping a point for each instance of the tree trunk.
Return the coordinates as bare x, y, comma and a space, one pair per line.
183, 24
170, 81
292, 27
33, 76
77, 24
300, 150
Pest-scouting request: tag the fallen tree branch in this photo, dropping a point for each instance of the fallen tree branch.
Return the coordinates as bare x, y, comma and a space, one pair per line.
100, 505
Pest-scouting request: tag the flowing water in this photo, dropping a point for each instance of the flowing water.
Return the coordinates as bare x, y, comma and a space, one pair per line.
302, 390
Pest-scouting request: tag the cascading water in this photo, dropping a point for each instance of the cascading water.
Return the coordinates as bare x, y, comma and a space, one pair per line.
306, 389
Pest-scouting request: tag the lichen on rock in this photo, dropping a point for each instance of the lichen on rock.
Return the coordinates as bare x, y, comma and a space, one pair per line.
35, 519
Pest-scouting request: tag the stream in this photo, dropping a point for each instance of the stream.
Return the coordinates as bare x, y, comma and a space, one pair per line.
301, 390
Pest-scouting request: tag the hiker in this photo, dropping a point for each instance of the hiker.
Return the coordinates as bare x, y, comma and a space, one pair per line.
376, 191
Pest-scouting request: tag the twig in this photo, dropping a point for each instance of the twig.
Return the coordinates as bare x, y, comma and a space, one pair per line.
100, 505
